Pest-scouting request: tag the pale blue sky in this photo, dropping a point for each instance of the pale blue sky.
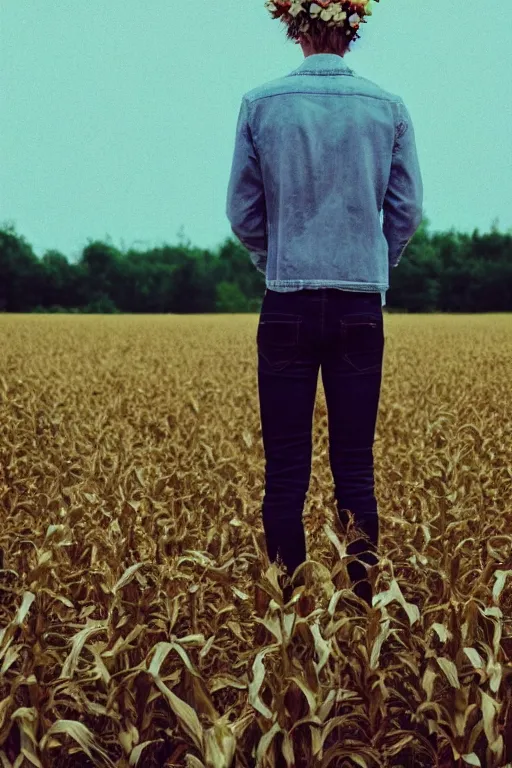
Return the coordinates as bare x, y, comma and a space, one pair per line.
118, 117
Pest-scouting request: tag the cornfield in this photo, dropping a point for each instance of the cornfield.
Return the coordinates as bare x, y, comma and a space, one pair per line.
141, 623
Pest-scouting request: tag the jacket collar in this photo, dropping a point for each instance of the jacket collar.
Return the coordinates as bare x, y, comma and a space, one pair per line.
323, 64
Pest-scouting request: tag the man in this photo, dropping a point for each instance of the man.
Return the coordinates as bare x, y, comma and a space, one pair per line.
320, 154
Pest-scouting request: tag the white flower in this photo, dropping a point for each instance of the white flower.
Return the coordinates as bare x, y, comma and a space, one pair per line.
314, 10
326, 14
338, 13
296, 8
333, 13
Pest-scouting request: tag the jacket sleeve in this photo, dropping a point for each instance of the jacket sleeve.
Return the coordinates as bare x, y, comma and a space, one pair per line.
403, 202
245, 204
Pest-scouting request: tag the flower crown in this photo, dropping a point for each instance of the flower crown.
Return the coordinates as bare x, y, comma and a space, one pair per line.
330, 11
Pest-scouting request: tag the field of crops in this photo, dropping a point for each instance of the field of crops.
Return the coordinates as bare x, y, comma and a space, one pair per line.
140, 621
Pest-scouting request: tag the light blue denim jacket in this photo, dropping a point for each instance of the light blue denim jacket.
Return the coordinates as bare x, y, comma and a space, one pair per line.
325, 187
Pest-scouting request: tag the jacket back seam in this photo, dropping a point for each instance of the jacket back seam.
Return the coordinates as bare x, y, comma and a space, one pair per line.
326, 93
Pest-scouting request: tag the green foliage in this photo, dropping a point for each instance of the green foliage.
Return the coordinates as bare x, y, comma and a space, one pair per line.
439, 272
230, 298
21, 273
101, 305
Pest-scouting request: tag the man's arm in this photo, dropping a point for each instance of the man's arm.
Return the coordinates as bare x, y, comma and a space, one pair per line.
403, 203
245, 204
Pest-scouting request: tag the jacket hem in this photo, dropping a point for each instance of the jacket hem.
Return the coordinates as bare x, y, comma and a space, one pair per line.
295, 285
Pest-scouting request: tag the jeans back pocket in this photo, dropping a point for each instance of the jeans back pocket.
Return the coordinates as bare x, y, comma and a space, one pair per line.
363, 340
278, 338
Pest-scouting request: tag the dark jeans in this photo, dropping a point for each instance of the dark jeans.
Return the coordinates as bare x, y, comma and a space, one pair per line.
341, 332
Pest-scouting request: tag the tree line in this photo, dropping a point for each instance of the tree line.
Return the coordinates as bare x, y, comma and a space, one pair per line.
438, 272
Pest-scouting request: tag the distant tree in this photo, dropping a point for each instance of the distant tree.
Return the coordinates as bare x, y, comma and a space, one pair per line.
21, 273
235, 266
414, 283
103, 270
230, 298
101, 305
439, 271
186, 289
58, 283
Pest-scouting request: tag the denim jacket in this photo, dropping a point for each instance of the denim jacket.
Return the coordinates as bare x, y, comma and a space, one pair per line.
319, 155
